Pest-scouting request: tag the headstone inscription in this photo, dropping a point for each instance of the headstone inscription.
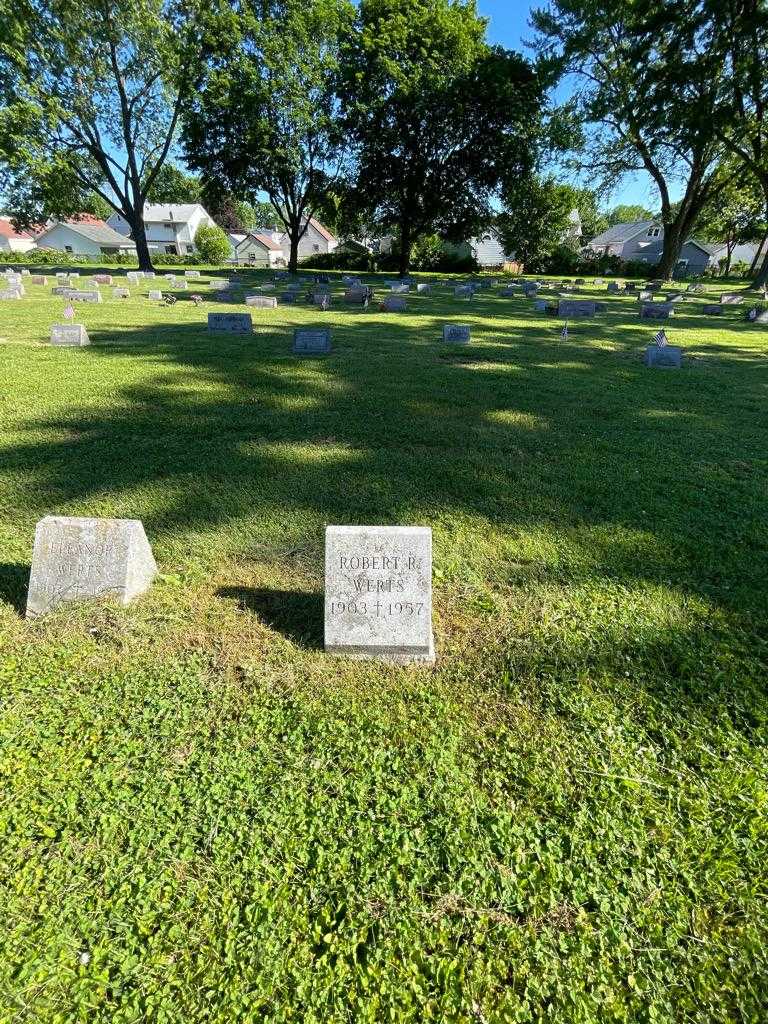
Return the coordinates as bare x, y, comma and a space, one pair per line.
394, 304
458, 333
78, 296
76, 559
311, 341
69, 336
731, 299
378, 593
231, 323
463, 291
668, 357
657, 310
575, 308
261, 301
121, 293
191, 273
10, 293
400, 289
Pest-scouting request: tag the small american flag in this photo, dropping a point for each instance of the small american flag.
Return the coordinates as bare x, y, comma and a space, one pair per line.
564, 332
660, 338
69, 311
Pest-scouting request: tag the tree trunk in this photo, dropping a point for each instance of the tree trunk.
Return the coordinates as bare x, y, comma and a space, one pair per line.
673, 244
293, 258
729, 254
762, 278
405, 248
140, 239
758, 254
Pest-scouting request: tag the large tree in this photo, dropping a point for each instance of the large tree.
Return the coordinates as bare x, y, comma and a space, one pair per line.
93, 93
440, 119
263, 115
628, 213
536, 220
173, 185
738, 215
648, 98
731, 37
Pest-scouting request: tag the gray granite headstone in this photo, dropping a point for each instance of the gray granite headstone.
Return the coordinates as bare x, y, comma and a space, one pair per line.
102, 278
540, 306
10, 293
261, 301
394, 304
613, 286
311, 341
230, 323
78, 296
575, 308
667, 357
354, 296
191, 273
645, 295
762, 317
218, 282
154, 293
423, 289
712, 309
38, 279
400, 289
463, 291
76, 559
69, 335
121, 293
378, 593
731, 299
657, 310
459, 333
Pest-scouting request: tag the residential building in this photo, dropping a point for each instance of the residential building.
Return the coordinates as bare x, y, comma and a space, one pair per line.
316, 239
256, 249
169, 227
85, 235
643, 242
12, 240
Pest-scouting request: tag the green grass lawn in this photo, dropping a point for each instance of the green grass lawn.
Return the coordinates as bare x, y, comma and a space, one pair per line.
204, 818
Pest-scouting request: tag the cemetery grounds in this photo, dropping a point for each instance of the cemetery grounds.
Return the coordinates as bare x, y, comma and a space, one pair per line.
204, 818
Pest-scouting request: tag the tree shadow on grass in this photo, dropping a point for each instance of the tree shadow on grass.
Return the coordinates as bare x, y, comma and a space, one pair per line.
14, 579
296, 614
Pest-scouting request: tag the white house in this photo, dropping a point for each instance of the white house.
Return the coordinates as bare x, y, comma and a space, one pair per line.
255, 248
87, 236
170, 227
316, 239
12, 240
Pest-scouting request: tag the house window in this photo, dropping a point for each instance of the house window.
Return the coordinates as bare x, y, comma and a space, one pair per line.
67, 248
654, 232
190, 248
169, 227
171, 250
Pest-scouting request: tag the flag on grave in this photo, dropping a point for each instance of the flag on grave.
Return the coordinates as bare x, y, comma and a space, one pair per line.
660, 338
564, 332
69, 311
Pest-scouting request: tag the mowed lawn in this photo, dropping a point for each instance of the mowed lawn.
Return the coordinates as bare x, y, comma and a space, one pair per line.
204, 818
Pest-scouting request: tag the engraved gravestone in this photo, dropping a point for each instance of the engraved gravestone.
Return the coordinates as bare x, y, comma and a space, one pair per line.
262, 301
575, 307
400, 289
423, 289
231, 323
11, 293
75, 559
713, 309
69, 335
154, 293
458, 333
354, 296
38, 279
78, 296
121, 293
378, 592
463, 291
311, 341
731, 299
394, 304
657, 310
667, 357
191, 273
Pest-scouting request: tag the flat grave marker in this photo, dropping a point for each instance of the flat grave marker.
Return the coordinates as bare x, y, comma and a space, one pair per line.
657, 310
261, 301
394, 304
69, 336
311, 341
460, 334
378, 593
575, 308
231, 323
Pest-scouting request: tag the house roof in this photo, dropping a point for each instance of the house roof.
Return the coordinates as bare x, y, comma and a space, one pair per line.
159, 213
96, 230
622, 232
7, 230
710, 248
321, 230
237, 239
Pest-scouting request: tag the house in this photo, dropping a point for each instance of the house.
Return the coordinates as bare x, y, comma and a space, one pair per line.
255, 248
170, 227
12, 240
643, 242
84, 235
316, 239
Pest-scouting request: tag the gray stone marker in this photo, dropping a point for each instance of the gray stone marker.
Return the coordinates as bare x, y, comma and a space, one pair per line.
613, 286
378, 593
713, 309
76, 559
394, 304
458, 333
154, 293
646, 295
69, 335
262, 301
311, 341
218, 282
11, 293
657, 310
575, 308
191, 273
103, 278
38, 279
354, 296
78, 296
540, 306
121, 293
731, 299
423, 289
231, 323
400, 289
60, 289
668, 357
463, 291
762, 317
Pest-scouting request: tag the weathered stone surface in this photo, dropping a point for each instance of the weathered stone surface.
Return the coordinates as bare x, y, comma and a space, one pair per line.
154, 293
311, 341
378, 592
76, 559
575, 308
712, 309
394, 304
103, 278
38, 279
69, 335
400, 289
354, 296
668, 357
423, 289
191, 273
261, 301
540, 306
657, 310
645, 295
458, 333
10, 293
231, 323
121, 293
78, 296
463, 291
218, 282
731, 299
613, 286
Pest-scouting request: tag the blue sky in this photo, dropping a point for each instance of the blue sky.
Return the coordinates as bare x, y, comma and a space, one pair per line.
508, 26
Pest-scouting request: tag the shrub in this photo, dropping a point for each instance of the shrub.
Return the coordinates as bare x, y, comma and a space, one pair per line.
363, 261
212, 244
